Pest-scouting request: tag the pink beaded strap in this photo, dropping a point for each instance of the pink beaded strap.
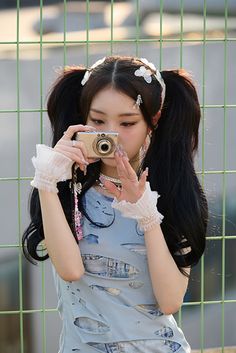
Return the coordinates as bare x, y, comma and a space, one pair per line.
77, 215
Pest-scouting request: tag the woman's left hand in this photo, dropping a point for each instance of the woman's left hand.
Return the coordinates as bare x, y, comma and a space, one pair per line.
132, 188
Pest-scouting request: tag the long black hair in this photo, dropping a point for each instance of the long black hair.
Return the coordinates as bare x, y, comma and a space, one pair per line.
169, 156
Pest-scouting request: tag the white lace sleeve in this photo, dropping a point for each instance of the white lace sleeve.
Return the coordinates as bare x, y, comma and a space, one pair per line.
144, 210
50, 168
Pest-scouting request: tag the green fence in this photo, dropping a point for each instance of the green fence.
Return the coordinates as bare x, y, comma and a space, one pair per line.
27, 61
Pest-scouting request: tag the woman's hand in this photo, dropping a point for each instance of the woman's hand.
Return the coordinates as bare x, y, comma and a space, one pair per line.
132, 188
75, 150
135, 200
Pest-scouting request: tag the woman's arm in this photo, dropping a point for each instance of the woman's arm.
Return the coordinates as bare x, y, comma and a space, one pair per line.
169, 284
59, 240
51, 166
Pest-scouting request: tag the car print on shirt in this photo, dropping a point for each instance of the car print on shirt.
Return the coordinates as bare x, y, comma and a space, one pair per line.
107, 267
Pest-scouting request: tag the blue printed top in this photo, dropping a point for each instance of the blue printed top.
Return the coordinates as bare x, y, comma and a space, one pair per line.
112, 308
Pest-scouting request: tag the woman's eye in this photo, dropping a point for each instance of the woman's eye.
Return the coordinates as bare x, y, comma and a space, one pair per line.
128, 124
97, 121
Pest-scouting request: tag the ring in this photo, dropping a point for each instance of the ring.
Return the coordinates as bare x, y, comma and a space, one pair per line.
73, 143
65, 134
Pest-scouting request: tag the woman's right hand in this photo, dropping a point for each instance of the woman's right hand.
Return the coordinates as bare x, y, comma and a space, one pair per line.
54, 164
75, 150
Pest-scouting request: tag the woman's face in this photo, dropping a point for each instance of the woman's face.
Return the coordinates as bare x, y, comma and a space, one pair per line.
112, 110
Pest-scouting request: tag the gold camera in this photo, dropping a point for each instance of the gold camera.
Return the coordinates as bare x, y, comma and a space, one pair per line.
99, 144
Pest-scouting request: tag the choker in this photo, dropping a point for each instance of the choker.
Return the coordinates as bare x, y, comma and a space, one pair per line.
113, 180
116, 181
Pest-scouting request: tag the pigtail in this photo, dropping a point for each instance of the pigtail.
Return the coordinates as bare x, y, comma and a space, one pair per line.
33, 237
63, 111
172, 174
63, 104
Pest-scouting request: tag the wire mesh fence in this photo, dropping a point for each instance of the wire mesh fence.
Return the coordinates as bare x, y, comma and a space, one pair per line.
40, 39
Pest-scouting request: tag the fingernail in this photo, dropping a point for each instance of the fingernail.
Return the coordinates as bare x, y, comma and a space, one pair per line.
125, 155
85, 162
147, 170
120, 150
85, 170
119, 154
119, 147
102, 179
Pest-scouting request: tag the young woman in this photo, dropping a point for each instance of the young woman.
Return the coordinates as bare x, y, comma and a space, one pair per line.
121, 263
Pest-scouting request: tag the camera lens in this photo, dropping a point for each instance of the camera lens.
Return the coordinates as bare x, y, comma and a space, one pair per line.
104, 146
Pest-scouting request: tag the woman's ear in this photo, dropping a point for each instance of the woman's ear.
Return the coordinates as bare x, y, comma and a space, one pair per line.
156, 117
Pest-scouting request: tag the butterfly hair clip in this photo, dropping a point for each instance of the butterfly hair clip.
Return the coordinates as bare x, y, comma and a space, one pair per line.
145, 73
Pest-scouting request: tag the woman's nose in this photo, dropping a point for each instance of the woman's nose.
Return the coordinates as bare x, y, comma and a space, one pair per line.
112, 127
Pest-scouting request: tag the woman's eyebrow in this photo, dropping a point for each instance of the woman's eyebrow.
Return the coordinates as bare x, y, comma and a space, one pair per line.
122, 114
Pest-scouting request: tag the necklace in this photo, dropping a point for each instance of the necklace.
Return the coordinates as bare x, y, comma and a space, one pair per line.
116, 181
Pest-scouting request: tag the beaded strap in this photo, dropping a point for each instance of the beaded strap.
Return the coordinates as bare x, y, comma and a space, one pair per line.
77, 215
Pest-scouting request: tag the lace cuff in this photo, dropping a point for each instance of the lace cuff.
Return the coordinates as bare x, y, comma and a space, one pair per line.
50, 168
144, 210
44, 182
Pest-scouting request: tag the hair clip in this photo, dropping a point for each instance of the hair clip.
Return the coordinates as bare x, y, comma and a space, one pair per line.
138, 102
88, 72
145, 73
157, 75
86, 77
